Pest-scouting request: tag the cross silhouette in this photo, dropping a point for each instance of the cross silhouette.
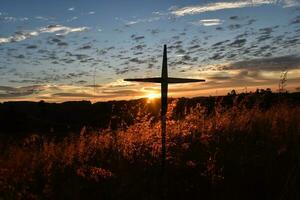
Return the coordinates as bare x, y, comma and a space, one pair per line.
164, 80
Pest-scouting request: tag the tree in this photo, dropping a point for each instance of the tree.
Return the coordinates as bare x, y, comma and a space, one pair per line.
232, 93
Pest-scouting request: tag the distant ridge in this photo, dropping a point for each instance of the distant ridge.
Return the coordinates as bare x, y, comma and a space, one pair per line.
73, 115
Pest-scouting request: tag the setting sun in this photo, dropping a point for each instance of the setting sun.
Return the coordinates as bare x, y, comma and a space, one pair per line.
152, 96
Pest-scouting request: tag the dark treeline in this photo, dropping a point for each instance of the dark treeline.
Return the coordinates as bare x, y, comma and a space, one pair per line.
29, 117
41, 117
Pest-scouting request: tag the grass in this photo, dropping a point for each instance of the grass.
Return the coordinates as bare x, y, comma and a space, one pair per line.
236, 152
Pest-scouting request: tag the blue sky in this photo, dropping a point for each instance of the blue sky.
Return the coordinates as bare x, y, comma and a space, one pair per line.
59, 50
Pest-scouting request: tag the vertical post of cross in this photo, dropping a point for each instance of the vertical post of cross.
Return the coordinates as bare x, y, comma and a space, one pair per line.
164, 106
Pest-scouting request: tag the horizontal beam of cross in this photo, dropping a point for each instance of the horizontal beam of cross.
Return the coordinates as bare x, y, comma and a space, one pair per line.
161, 80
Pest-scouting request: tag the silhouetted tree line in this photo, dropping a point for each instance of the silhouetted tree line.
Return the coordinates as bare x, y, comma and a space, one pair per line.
28, 117
262, 99
42, 117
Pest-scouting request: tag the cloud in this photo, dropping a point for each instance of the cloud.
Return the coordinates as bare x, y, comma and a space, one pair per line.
217, 56
289, 3
154, 31
137, 38
32, 81
234, 17
94, 86
234, 26
62, 30
150, 19
69, 94
122, 71
58, 29
296, 20
131, 22
137, 60
18, 36
190, 10
270, 64
139, 47
114, 90
105, 94
84, 47
208, 22
62, 44
20, 56
251, 21
121, 92
220, 43
71, 9
13, 19
10, 92
31, 47
119, 83
266, 30
72, 19
238, 43
197, 9
196, 46
43, 18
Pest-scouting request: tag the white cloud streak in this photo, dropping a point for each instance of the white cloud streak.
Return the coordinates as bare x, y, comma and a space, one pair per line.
151, 19
62, 30
41, 18
13, 19
289, 3
58, 29
197, 9
137, 21
208, 22
19, 36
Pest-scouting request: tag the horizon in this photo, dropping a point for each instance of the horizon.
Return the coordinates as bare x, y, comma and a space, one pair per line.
82, 50
152, 98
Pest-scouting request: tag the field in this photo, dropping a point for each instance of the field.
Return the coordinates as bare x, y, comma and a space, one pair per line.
242, 146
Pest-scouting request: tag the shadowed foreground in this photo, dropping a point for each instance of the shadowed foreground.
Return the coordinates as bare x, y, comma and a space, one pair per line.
241, 151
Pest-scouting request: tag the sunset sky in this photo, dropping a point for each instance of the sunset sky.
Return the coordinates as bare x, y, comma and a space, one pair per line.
56, 50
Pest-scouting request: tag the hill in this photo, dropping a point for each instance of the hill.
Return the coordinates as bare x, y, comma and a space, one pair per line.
59, 118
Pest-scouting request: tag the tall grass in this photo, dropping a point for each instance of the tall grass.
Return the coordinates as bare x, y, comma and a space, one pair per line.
236, 153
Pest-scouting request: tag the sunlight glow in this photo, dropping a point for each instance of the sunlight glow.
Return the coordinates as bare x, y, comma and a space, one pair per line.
152, 96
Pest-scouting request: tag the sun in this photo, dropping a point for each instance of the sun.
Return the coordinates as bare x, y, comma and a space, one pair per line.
152, 96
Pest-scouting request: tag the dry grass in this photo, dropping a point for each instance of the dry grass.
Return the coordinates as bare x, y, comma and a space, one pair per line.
230, 154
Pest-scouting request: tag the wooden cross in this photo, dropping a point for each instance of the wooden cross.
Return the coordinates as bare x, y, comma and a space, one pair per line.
164, 80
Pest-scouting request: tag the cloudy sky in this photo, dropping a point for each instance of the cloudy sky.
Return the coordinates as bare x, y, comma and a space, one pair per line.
82, 49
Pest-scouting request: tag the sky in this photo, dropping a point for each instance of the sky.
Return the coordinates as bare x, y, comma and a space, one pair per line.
56, 50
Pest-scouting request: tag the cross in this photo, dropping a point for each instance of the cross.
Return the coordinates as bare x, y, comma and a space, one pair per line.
164, 80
